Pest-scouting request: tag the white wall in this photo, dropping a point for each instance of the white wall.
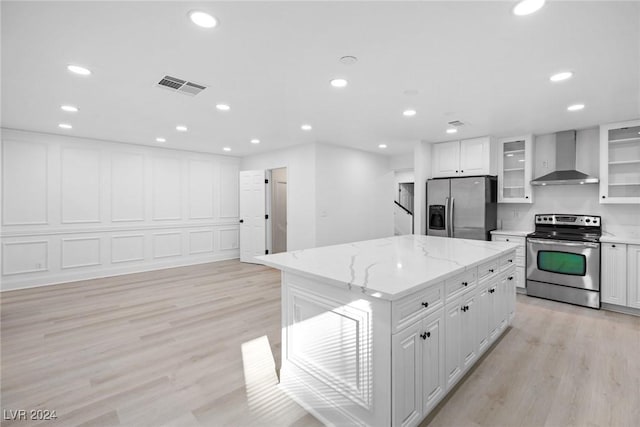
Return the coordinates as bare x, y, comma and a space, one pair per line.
353, 195
579, 199
422, 172
75, 208
301, 190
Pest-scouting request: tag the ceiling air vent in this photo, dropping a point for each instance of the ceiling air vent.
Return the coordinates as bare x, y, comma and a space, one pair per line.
179, 85
456, 123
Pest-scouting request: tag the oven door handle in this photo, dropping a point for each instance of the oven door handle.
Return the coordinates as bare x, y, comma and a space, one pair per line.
564, 243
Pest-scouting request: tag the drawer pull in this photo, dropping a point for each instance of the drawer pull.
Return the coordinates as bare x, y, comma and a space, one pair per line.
465, 283
491, 270
507, 240
510, 277
510, 260
425, 304
491, 291
425, 335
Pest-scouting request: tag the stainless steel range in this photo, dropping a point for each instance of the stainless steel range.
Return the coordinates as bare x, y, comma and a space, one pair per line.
563, 259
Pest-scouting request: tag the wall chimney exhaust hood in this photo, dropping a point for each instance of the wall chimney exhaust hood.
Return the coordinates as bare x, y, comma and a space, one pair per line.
565, 172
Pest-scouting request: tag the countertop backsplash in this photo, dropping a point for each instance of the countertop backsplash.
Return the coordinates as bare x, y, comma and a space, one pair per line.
574, 199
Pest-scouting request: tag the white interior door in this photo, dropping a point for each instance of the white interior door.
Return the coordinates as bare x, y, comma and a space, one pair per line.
252, 215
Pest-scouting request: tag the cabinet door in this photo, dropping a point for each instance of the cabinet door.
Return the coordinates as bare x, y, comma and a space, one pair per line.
484, 305
433, 370
494, 306
613, 286
468, 326
452, 342
515, 169
510, 295
633, 264
619, 162
475, 158
406, 387
446, 159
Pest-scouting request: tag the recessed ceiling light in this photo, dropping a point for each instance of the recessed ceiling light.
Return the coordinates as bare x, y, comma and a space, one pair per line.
510, 155
409, 113
382, 146
339, 83
306, 127
255, 141
521, 160
227, 149
202, 19
78, 70
161, 140
181, 128
452, 130
69, 108
223, 107
65, 126
558, 77
575, 107
527, 7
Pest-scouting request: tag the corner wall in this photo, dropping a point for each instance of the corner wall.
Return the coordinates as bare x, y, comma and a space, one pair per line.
301, 190
354, 199
75, 208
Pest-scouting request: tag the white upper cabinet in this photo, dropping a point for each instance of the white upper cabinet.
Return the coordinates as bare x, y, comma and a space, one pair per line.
446, 159
462, 158
515, 169
620, 162
475, 156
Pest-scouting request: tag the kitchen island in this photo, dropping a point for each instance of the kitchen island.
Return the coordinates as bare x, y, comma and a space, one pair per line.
377, 332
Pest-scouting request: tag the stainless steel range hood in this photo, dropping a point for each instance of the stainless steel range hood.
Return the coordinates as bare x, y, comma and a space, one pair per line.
565, 172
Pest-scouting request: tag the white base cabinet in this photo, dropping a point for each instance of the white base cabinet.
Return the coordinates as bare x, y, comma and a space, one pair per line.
633, 276
352, 359
620, 276
520, 260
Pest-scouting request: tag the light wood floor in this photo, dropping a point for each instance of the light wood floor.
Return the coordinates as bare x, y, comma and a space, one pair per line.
198, 346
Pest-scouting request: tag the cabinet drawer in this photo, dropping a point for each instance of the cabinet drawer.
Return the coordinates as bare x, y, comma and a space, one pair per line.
415, 306
507, 261
520, 241
460, 283
488, 270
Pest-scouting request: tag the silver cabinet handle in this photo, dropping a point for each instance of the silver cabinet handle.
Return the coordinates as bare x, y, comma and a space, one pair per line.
451, 212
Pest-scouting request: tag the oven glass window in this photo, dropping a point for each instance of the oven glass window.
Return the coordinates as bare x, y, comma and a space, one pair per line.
562, 262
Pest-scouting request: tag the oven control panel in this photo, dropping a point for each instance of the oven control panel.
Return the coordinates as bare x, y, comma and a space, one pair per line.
577, 220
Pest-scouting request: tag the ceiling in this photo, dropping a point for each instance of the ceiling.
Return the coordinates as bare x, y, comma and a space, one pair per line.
272, 62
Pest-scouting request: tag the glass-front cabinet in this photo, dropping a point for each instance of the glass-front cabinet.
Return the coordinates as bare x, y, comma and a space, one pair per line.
515, 168
620, 162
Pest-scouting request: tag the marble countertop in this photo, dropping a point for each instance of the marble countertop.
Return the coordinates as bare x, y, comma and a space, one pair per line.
389, 268
519, 233
629, 237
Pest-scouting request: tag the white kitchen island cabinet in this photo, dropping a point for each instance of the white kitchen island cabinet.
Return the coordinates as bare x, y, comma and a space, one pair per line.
376, 333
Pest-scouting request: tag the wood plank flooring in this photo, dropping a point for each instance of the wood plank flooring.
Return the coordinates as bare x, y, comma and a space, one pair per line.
198, 346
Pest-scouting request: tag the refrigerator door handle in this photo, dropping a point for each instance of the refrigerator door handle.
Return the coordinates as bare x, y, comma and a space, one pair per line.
451, 218
447, 228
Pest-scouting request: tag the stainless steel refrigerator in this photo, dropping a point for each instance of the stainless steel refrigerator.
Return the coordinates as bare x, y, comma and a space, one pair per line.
466, 208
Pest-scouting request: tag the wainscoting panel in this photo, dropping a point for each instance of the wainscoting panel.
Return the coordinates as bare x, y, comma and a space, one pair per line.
229, 190
200, 241
24, 183
229, 239
77, 208
80, 252
167, 188
167, 244
127, 187
25, 257
127, 248
80, 175
201, 183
